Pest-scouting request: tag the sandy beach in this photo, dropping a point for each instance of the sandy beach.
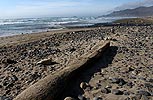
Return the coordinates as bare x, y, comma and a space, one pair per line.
125, 71
76, 50
24, 38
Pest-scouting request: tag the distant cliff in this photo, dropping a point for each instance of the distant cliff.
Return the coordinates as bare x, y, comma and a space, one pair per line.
137, 12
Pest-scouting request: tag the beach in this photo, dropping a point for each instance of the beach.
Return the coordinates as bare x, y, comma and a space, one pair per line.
125, 71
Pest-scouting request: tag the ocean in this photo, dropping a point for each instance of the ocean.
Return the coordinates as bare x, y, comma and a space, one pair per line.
9, 27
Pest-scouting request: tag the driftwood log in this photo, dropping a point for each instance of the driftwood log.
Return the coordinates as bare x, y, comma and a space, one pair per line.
52, 86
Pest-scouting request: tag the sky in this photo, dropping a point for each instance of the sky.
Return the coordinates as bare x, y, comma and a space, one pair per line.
63, 8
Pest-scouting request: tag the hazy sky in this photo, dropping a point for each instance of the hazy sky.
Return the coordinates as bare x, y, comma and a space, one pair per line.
52, 8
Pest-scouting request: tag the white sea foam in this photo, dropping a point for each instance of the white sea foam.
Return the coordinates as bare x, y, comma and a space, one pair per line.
30, 25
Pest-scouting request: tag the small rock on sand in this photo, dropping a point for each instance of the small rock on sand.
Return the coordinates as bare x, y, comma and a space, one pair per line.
9, 61
69, 98
117, 92
48, 61
97, 98
84, 85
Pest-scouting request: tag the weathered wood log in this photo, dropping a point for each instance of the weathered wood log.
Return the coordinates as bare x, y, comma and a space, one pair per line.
52, 86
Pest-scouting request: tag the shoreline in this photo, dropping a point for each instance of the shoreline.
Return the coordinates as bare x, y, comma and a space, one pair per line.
120, 22
25, 38
140, 21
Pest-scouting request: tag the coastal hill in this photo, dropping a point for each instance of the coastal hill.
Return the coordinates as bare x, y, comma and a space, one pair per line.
137, 12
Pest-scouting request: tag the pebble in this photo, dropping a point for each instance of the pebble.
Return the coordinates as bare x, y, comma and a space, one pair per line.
135, 72
108, 86
5, 98
84, 85
2, 98
148, 85
121, 82
10, 61
130, 84
69, 98
16, 69
72, 49
48, 61
98, 85
142, 78
117, 92
97, 98
80, 97
144, 97
131, 69
12, 68
34, 76
118, 81
127, 98
138, 97
150, 80
126, 93
115, 80
14, 78
105, 90
142, 92
9, 85
1, 86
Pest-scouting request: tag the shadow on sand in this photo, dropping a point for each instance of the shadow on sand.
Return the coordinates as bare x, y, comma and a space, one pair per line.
73, 88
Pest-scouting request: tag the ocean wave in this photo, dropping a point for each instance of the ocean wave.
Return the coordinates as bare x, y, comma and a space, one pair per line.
29, 25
